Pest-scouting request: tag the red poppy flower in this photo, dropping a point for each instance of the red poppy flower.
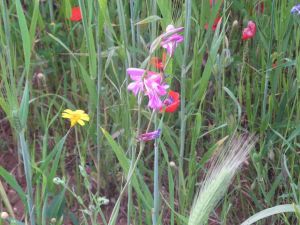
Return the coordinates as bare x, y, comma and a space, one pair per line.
76, 14
172, 102
215, 24
249, 31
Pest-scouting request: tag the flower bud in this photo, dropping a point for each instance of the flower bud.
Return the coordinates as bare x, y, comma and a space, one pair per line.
4, 215
172, 164
235, 24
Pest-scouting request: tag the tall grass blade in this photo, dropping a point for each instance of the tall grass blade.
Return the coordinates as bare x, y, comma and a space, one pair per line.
270, 212
25, 35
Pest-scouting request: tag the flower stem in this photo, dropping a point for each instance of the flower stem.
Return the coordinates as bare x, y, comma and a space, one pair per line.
156, 182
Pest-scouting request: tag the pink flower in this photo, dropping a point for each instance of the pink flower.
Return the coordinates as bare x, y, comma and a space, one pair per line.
150, 83
249, 31
171, 41
137, 76
149, 136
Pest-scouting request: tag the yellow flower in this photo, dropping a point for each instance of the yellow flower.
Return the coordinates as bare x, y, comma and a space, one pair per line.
77, 116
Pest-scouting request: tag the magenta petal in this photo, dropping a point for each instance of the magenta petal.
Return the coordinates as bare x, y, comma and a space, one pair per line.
149, 136
135, 73
154, 102
136, 87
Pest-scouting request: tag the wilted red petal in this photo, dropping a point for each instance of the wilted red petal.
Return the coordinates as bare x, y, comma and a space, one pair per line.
164, 58
215, 24
260, 8
76, 14
157, 63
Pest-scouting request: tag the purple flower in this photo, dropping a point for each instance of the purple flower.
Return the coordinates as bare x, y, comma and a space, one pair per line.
149, 136
150, 83
154, 89
171, 39
137, 76
296, 9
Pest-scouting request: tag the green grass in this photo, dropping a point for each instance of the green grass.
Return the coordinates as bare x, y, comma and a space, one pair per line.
49, 63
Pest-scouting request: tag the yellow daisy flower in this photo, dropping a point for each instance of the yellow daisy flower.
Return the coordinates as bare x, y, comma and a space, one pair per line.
77, 116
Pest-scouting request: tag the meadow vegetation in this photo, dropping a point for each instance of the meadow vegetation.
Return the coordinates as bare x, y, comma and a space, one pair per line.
149, 112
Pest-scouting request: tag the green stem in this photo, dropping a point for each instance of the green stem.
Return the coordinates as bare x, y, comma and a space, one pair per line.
188, 6
99, 77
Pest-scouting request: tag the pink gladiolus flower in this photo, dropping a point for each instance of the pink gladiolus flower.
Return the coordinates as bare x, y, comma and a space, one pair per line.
137, 76
170, 42
149, 136
150, 83
249, 31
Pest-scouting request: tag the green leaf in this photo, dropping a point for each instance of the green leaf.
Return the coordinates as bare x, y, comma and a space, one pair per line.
270, 212
24, 34
24, 107
125, 164
9, 179
149, 19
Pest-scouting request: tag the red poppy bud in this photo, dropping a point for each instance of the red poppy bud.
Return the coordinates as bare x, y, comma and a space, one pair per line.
249, 31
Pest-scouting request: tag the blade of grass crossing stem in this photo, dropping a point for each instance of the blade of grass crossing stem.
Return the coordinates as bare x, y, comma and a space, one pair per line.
170, 183
188, 7
102, 4
121, 15
20, 119
7, 23
24, 107
132, 148
124, 163
270, 212
6, 201
99, 77
133, 33
267, 76
91, 87
34, 19
28, 174
165, 9
58, 149
122, 23
25, 35
203, 82
87, 27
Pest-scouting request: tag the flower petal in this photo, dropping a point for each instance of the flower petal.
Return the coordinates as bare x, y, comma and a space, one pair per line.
81, 122
66, 115
85, 117
135, 73
68, 111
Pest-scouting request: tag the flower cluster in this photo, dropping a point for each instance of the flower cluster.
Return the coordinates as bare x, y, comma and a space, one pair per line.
152, 84
149, 83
